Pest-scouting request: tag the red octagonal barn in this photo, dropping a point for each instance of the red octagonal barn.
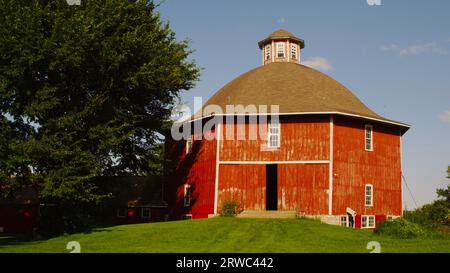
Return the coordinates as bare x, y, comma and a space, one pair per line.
323, 153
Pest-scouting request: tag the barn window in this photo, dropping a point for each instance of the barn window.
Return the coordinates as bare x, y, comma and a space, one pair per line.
268, 53
145, 213
121, 213
274, 134
344, 221
187, 216
187, 195
369, 138
294, 51
280, 50
188, 146
367, 221
369, 195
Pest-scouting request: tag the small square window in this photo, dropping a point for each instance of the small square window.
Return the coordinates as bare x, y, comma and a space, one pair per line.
369, 195
369, 138
188, 146
364, 221
293, 51
145, 213
344, 221
367, 221
280, 50
268, 52
187, 217
187, 195
274, 135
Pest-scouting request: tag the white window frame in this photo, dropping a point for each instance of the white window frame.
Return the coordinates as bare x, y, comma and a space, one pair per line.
268, 53
189, 145
119, 215
368, 221
187, 216
368, 139
294, 51
270, 134
347, 222
368, 197
142, 213
281, 48
186, 197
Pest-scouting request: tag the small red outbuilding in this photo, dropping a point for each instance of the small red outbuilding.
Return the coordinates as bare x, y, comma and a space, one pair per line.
20, 215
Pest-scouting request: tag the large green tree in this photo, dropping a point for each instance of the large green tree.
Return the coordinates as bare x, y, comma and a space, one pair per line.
84, 91
445, 193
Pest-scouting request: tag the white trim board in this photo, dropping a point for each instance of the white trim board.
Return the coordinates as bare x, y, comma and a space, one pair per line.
277, 162
330, 178
304, 113
216, 179
401, 170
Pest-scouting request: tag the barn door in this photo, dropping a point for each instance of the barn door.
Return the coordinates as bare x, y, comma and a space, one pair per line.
271, 187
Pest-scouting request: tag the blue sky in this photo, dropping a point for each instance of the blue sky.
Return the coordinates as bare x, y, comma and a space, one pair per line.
394, 57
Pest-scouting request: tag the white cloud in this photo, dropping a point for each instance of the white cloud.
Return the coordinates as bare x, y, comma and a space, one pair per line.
445, 117
181, 112
415, 49
390, 47
318, 63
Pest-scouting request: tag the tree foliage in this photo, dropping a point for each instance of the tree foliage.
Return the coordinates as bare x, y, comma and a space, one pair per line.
84, 91
435, 215
445, 193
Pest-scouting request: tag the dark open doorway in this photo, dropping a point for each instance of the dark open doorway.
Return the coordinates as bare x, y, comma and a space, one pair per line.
271, 187
351, 220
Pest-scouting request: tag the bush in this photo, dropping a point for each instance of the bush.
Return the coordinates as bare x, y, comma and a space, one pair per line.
400, 228
432, 215
57, 219
230, 208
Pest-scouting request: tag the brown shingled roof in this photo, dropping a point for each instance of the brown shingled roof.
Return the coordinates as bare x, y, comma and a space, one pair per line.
280, 35
295, 88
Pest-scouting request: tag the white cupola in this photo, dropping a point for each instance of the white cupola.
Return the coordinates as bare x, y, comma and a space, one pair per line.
281, 46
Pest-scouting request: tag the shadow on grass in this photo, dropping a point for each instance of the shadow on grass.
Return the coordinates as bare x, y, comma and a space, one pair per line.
7, 240
14, 239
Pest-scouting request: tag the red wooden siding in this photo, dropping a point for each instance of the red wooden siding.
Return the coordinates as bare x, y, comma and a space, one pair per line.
303, 187
196, 169
245, 184
301, 138
19, 218
354, 167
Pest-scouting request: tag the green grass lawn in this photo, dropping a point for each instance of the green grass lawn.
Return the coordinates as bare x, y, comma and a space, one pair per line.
227, 235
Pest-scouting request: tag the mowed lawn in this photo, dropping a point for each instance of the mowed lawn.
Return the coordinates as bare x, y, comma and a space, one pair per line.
227, 235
